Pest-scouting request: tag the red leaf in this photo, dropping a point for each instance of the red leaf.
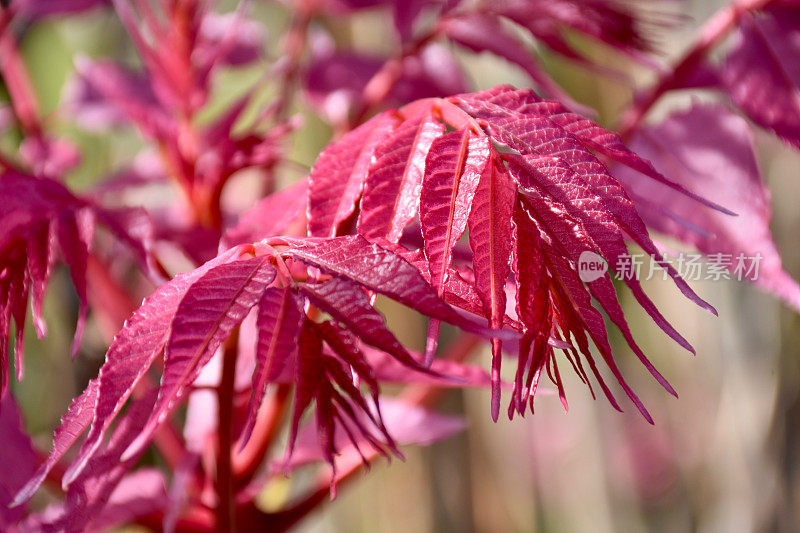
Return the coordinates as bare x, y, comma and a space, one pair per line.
586, 131
611, 22
347, 303
392, 189
762, 74
212, 306
229, 39
442, 372
74, 238
712, 150
17, 460
408, 424
533, 304
103, 94
73, 423
104, 494
452, 172
131, 353
271, 216
280, 317
379, 270
42, 218
570, 245
579, 314
571, 174
337, 177
491, 241
481, 32
340, 405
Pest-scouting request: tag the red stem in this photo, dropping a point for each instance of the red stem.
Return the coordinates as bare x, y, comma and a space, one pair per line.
270, 416
226, 519
24, 101
382, 82
716, 29
294, 45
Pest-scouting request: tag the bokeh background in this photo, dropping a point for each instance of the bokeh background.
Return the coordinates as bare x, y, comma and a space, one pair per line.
723, 457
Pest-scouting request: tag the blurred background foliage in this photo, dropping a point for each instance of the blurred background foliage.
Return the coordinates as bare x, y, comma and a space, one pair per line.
723, 457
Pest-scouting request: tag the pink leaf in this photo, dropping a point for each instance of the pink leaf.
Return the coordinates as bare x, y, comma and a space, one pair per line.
481, 32
611, 22
452, 172
328, 380
533, 305
42, 218
338, 175
74, 239
384, 272
491, 241
336, 79
569, 172
133, 350
17, 460
271, 216
570, 244
712, 150
762, 72
212, 306
73, 423
407, 423
103, 94
586, 131
229, 39
104, 495
280, 317
347, 303
392, 189
443, 372
579, 314
45, 8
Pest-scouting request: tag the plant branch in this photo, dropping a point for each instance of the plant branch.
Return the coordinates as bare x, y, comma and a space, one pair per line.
711, 34
224, 478
294, 45
24, 102
382, 82
270, 416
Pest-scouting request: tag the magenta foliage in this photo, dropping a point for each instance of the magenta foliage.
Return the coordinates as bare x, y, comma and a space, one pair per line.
335, 79
762, 73
189, 317
17, 461
35, 9
408, 424
568, 200
339, 82
711, 149
339, 174
44, 220
472, 209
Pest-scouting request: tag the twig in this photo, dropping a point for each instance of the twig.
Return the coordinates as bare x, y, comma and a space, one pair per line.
716, 29
226, 518
270, 416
